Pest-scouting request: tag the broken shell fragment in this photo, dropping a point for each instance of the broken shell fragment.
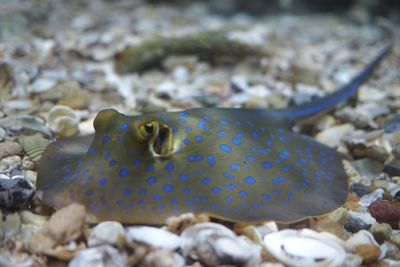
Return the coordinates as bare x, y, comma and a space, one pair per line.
153, 237
306, 248
63, 121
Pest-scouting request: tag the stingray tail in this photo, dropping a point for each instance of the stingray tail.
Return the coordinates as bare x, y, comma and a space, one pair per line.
326, 103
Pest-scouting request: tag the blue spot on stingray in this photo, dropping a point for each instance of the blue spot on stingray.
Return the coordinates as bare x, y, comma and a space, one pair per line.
202, 125
103, 182
186, 191
156, 197
182, 120
119, 202
221, 134
184, 177
268, 143
230, 187
236, 141
169, 167
168, 188
243, 194
183, 114
250, 159
149, 168
276, 192
206, 180
142, 191
266, 196
239, 134
224, 122
151, 180
174, 129
255, 134
186, 141
173, 202
250, 123
198, 138
135, 162
105, 139
296, 187
211, 160
216, 190
207, 118
191, 158
89, 192
235, 167
225, 148
107, 155
229, 176
266, 165
278, 180
127, 192
84, 173
112, 162
289, 194
284, 154
250, 180
123, 172
228, 200
188, 129
190, 202
124, 127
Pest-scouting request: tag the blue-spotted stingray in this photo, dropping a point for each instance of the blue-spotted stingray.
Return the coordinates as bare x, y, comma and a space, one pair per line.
242, 165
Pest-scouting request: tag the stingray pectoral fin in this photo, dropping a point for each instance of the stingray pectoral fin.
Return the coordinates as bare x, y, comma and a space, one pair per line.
58, 164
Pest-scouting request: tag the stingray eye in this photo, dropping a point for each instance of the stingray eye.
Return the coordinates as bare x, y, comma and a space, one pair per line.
148, 129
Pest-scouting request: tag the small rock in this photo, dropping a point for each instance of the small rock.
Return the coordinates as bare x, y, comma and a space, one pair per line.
103, 256
10, 226
163, 258
41, 85
367, 200
381, 232
360, 189
77, 100
8, 149
362, 237
385, 211
28, 217
30, 176
12, 161
15, 193
63, 121
332, 137
151, 236
107, 233
177, 224
353, 225
369, 253
369, 94
65, 225
24, 122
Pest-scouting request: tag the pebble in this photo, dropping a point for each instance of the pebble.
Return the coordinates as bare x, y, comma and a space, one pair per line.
10, 226
15, 193
362, 237
333, 136
28, 217
385, 211
163, 258
381, 232
369, 253
367, 200
353, 225
151, 236
103, 256
30, 176
107, 233
360, 189
8, 149
63, 121
41, 85
24, 122
65, 225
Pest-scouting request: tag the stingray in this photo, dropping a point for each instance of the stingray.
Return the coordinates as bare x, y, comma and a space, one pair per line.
243, 165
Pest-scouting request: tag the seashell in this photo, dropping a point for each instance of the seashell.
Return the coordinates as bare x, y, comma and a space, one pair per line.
215, 245
15, 193
34, 145
190, 234
177, 224
353, 225
364, 216
102, 256
367, 200
395, 192
306, 248
385, 211
107, 233
63, 121
362, 237
153, 237
163, 258
332, 137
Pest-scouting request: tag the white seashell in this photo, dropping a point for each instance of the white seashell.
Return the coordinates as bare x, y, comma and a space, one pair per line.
153, 237
63, 121
306, 248
364, 216
367, 200
215, 245
108, 232
190, 234
102, 256
362, 237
